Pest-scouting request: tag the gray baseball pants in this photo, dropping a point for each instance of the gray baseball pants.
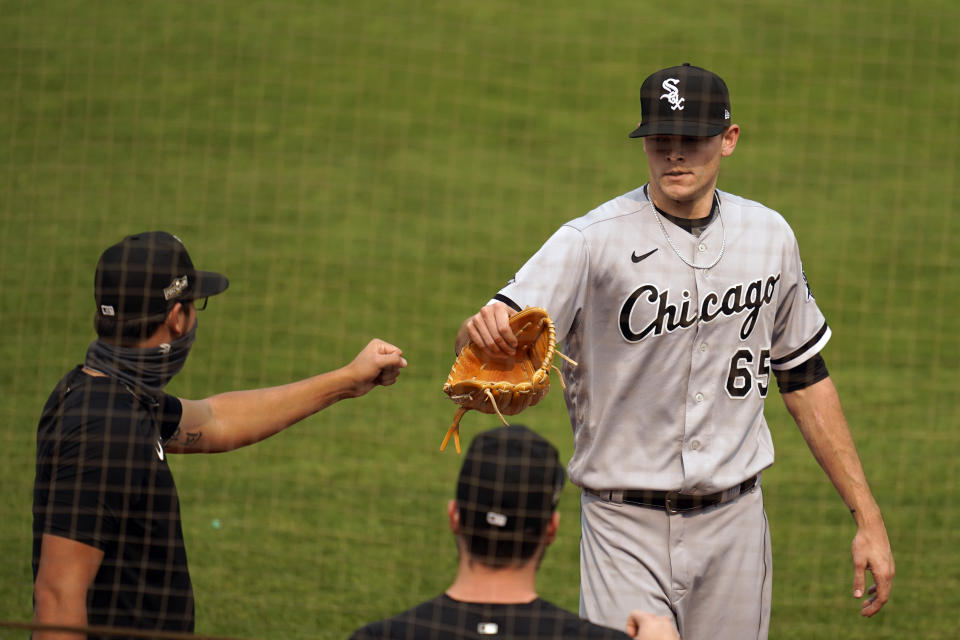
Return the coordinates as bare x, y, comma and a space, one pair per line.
711, 570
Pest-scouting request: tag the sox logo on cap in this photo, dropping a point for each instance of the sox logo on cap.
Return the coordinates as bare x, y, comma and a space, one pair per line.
672, 94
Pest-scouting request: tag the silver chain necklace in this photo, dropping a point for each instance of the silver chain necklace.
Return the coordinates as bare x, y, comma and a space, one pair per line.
723, 241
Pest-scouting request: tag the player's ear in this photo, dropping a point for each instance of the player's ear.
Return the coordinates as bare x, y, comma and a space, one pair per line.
453, 515
176, 320
729, 140
552, 527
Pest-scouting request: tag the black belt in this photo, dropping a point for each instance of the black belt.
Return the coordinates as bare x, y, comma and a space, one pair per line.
674, 502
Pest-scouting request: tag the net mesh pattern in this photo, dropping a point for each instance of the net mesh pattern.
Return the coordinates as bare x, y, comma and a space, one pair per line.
361, 169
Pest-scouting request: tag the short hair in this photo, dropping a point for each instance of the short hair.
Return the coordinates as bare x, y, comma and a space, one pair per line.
499, 553
127, 333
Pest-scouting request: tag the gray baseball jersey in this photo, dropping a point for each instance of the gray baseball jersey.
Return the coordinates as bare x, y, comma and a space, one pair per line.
675, 336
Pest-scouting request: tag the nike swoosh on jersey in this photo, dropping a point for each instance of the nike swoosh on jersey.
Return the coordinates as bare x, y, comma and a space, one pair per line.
636, 258
159, 450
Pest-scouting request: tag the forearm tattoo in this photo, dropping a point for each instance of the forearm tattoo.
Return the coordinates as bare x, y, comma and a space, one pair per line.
186, 439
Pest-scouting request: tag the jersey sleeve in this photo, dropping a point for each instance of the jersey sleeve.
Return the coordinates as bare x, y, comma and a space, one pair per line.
171, 410
803, 375
554, 278
93, 477
800, 329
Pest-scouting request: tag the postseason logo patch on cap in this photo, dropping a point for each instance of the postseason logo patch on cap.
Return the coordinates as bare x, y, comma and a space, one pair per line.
177, 287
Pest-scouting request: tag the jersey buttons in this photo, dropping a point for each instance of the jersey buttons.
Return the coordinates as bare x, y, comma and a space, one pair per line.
698, 398
701, 247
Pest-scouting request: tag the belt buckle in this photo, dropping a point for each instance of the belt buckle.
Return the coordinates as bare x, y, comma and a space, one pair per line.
670, 502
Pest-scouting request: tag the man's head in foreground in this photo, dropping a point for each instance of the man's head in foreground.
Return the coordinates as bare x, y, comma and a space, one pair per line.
507, 494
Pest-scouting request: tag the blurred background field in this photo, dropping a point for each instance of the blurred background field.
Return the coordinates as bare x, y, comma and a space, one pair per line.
364, 168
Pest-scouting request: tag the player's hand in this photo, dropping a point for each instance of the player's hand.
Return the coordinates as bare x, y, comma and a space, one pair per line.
379, 363
647, 626
871, 552
490, 330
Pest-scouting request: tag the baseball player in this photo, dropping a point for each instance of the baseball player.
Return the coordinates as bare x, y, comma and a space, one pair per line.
504, 518
680, 302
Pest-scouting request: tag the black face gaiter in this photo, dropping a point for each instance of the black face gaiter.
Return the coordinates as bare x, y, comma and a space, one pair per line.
148, 370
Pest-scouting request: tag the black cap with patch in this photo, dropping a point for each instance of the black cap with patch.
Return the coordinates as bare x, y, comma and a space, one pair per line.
683, 101
144, 275
507, 492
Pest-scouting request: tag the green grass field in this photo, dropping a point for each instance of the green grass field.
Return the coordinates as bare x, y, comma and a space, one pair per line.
364, 168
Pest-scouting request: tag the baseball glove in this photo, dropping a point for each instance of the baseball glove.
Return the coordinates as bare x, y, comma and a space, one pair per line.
505, 387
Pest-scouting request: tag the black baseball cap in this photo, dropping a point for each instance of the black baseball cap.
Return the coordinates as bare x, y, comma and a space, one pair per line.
144, 275
507, 491
683, 101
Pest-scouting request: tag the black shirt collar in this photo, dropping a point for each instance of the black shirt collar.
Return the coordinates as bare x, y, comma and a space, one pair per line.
694, 226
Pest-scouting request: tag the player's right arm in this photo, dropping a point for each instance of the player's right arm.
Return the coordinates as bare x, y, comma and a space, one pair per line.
65, 572
553, 278
490, 330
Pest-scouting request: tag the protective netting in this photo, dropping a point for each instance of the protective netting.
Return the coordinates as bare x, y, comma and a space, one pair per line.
361, 168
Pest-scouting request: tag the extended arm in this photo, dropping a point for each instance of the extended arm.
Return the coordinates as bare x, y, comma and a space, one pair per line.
817, 412
236, 419
66, 571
